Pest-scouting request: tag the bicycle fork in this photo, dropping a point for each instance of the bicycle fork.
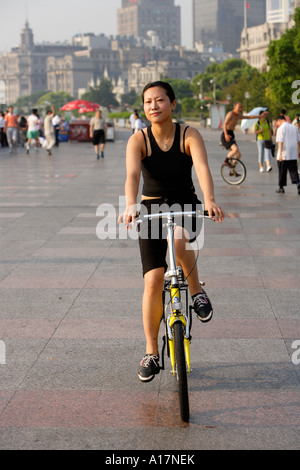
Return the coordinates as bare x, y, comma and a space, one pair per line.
177, 316
176, 305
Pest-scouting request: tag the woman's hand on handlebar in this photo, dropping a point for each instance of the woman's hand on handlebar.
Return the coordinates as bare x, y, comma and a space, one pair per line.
129, 215
215, 212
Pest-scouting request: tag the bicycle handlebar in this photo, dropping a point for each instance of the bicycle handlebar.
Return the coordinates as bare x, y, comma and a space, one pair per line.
199, 213
160, 215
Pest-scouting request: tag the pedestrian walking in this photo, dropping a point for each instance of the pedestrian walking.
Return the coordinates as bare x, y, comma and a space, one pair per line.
22, 131
11, 129
138, 122
288, 139
56, 125
98, 130
296, 122
3, 140
32, 130
263, 133
49, 132
132, 120
282, 113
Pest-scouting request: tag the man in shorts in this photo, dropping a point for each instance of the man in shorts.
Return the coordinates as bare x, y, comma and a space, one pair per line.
32, 130
228, 138
98, 131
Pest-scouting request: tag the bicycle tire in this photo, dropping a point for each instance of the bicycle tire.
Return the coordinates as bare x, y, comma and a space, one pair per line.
236, 175
181, 372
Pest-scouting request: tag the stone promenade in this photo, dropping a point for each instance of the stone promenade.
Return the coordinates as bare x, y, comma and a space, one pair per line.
71, 334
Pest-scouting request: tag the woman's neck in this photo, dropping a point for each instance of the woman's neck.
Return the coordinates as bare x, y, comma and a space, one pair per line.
164, 130
164, 135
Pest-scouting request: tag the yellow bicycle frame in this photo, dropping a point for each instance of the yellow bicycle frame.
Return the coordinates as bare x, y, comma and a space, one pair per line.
178, 316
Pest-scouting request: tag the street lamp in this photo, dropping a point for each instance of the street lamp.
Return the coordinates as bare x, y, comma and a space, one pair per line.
247, 96
200, 84
213, 80
228, 97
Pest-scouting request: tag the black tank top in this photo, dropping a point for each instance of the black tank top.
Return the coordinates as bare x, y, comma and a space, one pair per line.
167, 174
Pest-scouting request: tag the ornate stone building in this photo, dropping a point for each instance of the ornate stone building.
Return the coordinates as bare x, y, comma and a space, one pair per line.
24, 69
128, 62
255, 40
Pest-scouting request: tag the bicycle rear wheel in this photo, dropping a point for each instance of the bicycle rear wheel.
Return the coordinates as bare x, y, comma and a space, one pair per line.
235, 175
181, 372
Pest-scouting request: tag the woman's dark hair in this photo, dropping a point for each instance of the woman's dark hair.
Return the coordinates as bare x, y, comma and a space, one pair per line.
166, 86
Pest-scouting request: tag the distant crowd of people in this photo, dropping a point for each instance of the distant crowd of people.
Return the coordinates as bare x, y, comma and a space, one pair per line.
21, 131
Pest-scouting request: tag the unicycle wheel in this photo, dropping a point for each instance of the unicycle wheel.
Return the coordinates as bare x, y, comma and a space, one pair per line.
235, 172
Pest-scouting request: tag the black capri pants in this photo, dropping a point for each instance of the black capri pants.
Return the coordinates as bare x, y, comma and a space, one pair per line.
153, 235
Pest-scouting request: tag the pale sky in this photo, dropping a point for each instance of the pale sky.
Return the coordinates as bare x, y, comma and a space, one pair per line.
59, 20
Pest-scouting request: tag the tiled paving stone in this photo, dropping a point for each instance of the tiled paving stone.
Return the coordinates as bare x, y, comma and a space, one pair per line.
70, 313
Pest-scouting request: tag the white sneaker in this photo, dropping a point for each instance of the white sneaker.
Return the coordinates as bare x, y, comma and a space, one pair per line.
261, 170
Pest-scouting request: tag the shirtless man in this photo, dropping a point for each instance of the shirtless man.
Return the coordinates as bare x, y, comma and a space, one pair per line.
228, 137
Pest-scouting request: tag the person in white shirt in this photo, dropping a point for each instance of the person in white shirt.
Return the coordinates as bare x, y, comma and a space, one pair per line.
56, 124
49, 132
32, 130
138, 123
132, 120
288, 139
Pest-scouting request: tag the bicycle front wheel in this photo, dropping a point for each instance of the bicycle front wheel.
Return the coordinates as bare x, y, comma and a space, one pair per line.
181, 372
236, 174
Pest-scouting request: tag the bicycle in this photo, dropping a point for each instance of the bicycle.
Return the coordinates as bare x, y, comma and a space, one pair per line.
235, 172
178, 322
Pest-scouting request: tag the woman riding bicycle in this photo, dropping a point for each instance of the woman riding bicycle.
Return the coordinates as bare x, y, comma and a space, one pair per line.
165, 153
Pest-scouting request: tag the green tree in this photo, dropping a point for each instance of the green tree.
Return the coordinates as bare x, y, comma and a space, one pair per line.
129, 98
284, 65
57, 99
226, 75
190, 106
102, 94
25, 103
182, 88
256, 88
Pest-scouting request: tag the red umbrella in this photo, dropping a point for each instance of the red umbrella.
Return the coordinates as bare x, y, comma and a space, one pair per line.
79, 104
89, 109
